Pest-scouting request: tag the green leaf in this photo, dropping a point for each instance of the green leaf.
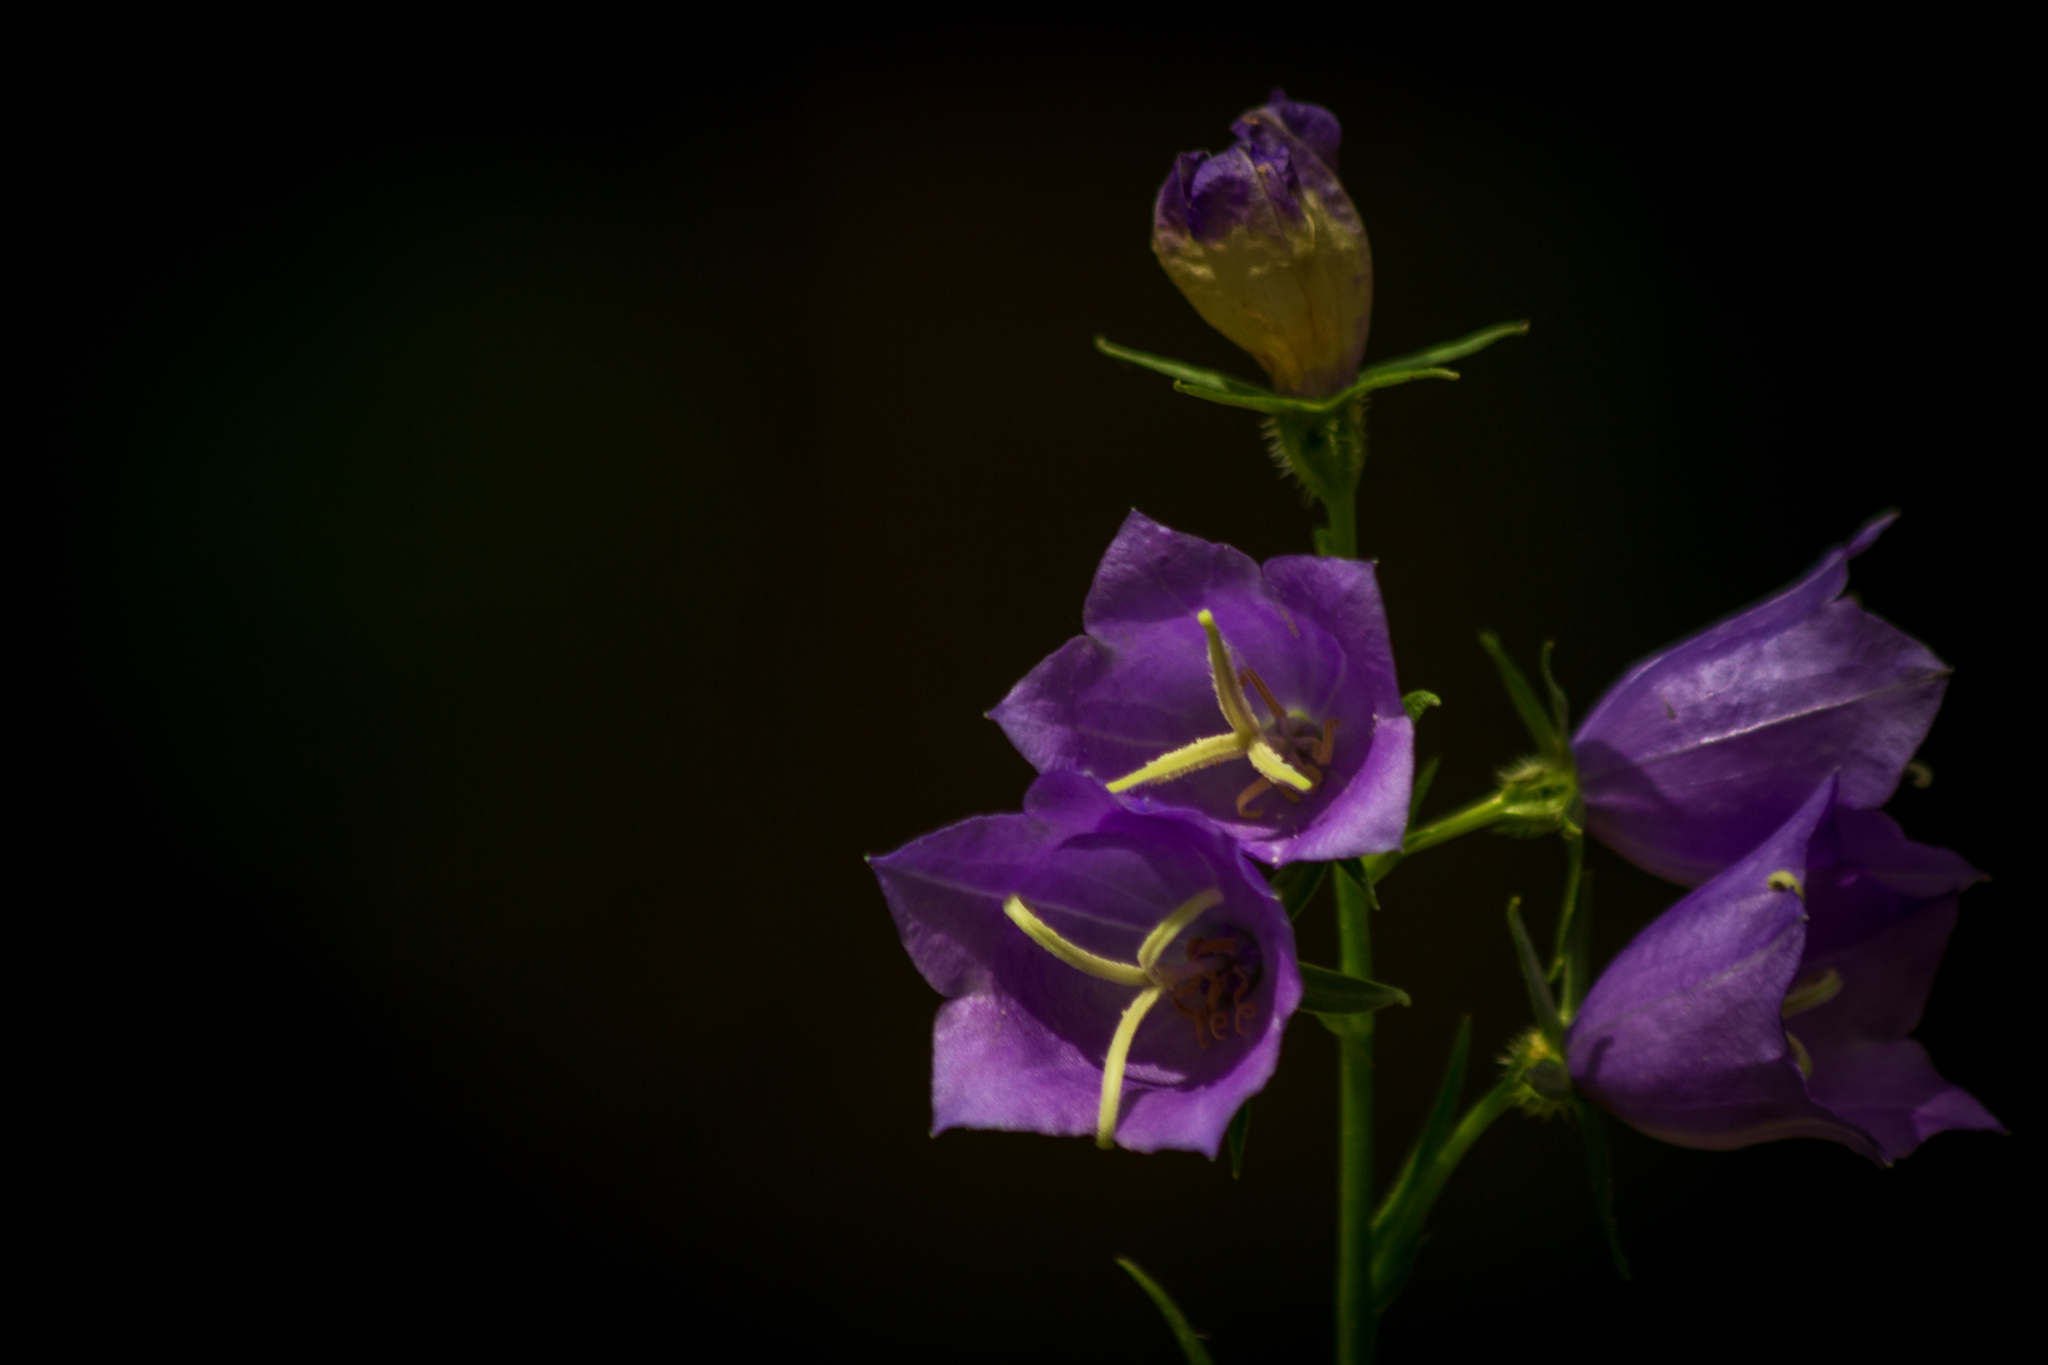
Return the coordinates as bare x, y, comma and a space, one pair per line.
1296, 883
1397, 1226
1326, 992
1540, 1001
1240, 1129
1533, 713
1450, 350
1415, 703
1183, 1332
1602, 1175
1181, 370
1422, 783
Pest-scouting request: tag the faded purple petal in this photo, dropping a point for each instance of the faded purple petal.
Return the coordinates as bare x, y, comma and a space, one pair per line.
1020, 1043
1702, 750
1138, 685
1686, 1035
1315, 126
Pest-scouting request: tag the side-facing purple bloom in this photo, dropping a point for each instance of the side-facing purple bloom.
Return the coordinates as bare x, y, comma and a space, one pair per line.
1775, 1000
1313, 764
1267, 246
1106, 972
1702, 750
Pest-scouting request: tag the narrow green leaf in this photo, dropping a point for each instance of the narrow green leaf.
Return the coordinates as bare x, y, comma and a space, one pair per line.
1296, 883
1449, 350
1183, 1332
1240, 1129
1256, 401
1416, 702
1179, 369
1602, 1175
1574, 869
1397, 1226
1560, 709
1540, 1001
1381, 377
1533, 713
1422, 782
1579, 948
1326, 992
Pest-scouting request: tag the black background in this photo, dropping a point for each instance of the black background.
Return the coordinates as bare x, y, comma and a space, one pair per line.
539, 530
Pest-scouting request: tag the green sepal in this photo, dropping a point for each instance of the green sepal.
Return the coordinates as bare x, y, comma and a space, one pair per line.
1601, 1172
1326, 992
1397, 1226
1356, 870
1181, 372
1240, 1129
1450, 350
1421, 789
1540, 1001
1183, 1331
1539, 719
1560, 709
1217, 387
1296, 883
1415, 703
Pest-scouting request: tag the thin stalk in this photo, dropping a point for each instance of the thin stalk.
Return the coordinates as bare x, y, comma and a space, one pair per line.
1487, 810
1433, 1176
1340, 537
1357, 1311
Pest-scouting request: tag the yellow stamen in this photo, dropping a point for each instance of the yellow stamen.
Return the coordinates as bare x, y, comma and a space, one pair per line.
1801, 1058
1229, 692
1079, 958
1814, 991
1113, 1066
1785, 881
1162, 934
1202, 753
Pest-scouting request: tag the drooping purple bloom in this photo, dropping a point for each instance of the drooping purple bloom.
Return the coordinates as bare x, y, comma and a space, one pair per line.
1263, 700
1775, 1000
1702, 750
1105, 971
1267, 246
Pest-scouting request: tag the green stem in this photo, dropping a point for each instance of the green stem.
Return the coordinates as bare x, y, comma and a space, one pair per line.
1340, 537
1486, 811
1357, 1313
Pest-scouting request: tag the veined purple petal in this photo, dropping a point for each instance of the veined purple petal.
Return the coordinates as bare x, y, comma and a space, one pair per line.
1138, 685
1021, 1040
1696, 1032
1703, 749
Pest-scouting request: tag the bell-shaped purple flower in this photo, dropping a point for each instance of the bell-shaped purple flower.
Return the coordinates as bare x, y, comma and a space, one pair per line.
1702, 750
1267, 246
1775, 1000
1262, 700
1106, 972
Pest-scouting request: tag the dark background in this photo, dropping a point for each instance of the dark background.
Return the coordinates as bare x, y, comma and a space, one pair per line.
538, 534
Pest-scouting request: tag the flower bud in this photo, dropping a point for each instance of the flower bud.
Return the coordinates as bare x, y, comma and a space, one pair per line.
1265, 243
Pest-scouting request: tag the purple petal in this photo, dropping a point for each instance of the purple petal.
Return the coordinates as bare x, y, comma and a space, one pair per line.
1682, 1036
1020, 1045
1315, 126
1138, 685
1702, 750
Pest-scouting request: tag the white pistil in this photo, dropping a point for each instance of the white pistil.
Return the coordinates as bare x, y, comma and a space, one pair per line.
1142, 973
1247, 738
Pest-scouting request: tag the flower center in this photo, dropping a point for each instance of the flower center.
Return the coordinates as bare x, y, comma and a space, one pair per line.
1212, 989
1290, 760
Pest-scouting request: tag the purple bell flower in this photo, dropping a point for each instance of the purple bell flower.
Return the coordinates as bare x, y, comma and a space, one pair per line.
1267, 246
1775, 1000
1105, 972
1702, 750
1262, 700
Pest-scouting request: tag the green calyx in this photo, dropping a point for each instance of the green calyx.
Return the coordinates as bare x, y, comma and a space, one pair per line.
1540, 793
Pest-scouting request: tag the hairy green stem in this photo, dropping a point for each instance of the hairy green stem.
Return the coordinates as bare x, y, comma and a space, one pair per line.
1357, 1311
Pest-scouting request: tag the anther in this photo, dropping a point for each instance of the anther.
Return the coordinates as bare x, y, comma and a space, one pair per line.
1256, 789
1785, 881
1801, 1058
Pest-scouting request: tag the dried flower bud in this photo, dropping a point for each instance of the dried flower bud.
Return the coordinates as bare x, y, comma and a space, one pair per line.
1265, 243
